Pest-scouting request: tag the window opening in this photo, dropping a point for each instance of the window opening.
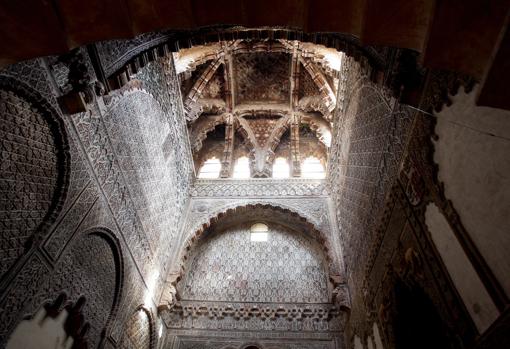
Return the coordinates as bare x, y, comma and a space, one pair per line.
312, 168
281, 168
210, 169
259, 232
242, 168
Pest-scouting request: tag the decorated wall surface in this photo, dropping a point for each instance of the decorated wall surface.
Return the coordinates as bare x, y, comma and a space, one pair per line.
369, 139
404, 253
107, 237
278, 291
307, 198
138, 332
228, 266
218, 344
77, 219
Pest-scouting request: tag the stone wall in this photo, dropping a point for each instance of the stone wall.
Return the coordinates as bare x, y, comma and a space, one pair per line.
418, 245
216, 310
183, 343
229, 267
100, 206
82, 184
138, 332
369, 139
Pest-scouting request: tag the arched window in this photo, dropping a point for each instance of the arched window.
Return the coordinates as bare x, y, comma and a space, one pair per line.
281, 168
210, 169
258, 232
242, 168
312, 168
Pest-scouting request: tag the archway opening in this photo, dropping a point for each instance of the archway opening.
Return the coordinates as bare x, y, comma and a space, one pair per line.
417, 322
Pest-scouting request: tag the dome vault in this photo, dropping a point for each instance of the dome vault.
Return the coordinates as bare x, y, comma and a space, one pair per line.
258, 90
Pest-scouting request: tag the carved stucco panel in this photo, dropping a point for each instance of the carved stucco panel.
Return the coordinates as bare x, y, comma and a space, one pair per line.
228, 266
314, 210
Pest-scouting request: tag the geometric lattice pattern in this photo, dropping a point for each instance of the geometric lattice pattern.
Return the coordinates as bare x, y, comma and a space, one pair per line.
228, 266
269, 71
138, 141
228, 345
28, 174
137, 332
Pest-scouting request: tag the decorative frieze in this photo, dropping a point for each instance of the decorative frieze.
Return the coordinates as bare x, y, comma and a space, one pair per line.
254, 317
259, 188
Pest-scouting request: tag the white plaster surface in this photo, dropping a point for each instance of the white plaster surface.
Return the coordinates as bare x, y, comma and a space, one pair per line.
473, 154
377, 338
468, 284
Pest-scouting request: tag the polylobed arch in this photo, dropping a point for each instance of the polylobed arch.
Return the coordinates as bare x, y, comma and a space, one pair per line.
321, 127
114, 243
314, 148
214, 141
318, 125
307, 223
59, 132
229, 221
201, 130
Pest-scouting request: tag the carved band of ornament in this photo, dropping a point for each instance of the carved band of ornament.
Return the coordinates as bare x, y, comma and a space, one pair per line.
261, 111
310, 52
192, 107
111, 58
246, 132
258, 187
238, 338
263, 311
193, 110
